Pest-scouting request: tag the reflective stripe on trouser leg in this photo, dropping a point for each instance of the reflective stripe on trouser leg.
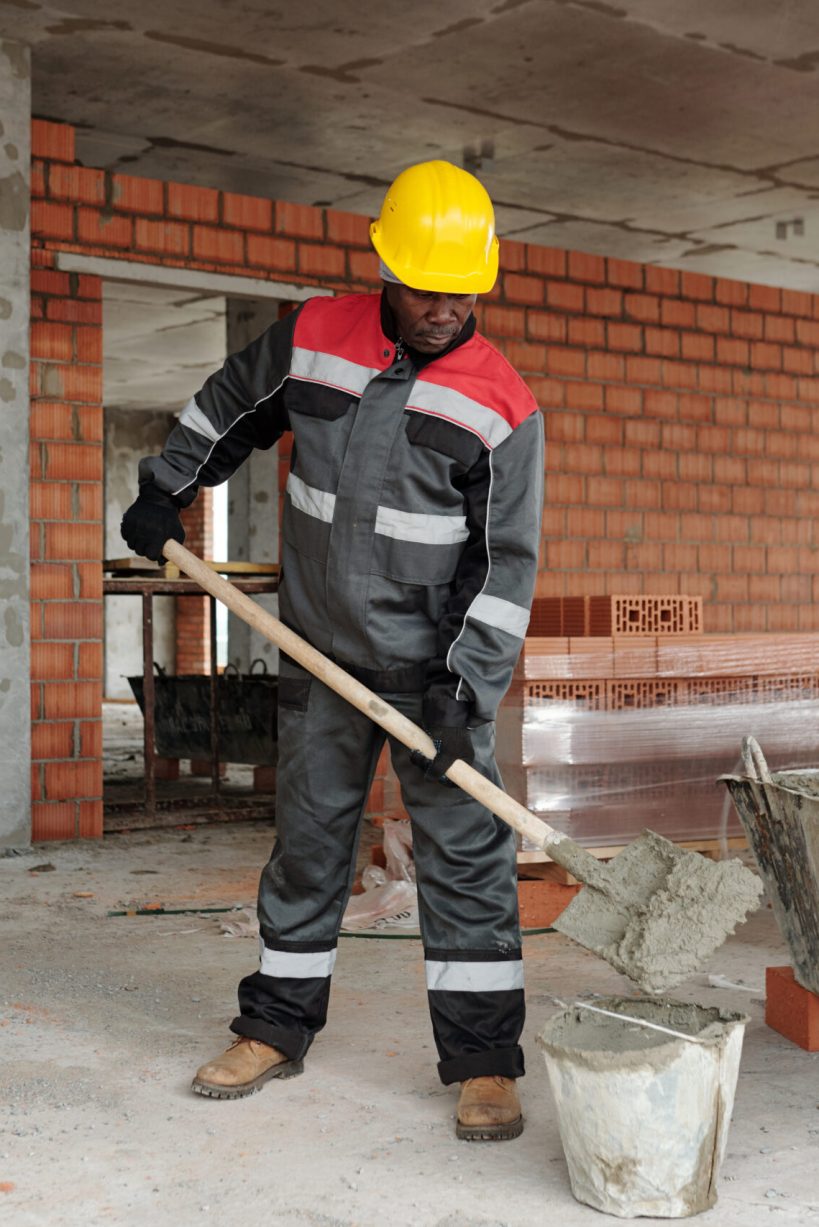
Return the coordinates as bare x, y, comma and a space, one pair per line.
327, 756
468, 902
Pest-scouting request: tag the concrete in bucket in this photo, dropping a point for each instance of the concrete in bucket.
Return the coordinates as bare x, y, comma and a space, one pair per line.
655, 912
644, 1091
780, 814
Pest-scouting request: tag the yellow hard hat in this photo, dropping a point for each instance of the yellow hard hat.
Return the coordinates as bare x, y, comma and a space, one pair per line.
437, 230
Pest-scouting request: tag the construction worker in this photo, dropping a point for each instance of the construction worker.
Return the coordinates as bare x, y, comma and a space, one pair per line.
410, 545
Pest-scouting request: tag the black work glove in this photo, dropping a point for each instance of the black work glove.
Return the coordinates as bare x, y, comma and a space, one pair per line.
450, 742
150, 521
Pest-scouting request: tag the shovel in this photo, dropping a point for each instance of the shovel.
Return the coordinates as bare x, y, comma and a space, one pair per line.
655, 912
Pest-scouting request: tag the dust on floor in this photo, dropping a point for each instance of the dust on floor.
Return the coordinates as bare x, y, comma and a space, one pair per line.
104, 1019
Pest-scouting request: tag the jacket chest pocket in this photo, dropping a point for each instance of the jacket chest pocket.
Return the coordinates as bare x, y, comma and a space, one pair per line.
444, 438
314, 400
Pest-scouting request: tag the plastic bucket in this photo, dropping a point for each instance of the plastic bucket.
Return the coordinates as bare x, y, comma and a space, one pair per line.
643, 1112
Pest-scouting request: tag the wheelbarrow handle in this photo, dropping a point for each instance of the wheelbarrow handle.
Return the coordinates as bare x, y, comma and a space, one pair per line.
753, 760
577, 860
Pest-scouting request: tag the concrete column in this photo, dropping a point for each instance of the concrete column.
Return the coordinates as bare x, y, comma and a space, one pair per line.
15, 708
253, 498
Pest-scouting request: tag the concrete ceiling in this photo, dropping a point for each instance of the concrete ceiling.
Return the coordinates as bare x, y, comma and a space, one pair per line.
676, 132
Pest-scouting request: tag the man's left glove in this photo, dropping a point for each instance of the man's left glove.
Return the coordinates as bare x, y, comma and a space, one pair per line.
150, 521
450, 743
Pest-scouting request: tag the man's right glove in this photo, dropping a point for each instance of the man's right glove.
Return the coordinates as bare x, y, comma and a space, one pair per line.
150, 521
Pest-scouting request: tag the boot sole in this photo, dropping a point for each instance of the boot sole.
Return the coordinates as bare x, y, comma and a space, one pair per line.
285, 1069
489, 1133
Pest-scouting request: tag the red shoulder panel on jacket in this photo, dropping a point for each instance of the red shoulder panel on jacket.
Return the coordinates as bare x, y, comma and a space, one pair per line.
348, 327
480, 371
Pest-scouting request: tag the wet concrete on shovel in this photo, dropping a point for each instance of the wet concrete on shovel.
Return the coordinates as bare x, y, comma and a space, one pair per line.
103, 1020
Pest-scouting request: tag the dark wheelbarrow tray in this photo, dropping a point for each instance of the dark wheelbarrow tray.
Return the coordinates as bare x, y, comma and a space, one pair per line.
780, 813
246, 717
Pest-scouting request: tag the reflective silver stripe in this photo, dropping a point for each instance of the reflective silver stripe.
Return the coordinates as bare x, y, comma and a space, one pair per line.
313, 502
459, 977
494, 611
453, 406
329, 369
419, 526
297, 966
193, 417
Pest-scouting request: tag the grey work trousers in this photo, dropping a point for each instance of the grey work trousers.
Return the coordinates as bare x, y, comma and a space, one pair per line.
465, 870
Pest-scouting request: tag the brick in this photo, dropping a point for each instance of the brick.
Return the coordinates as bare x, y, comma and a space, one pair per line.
765, 357
52, 341
247, 212
77, 183
678, 314
549, 393
53, 141
585, 267
695, 347
644, 307
733, 352
663, 342
512, 255
73, 542
732, 293
274, 253
797, 302
694, 466
625, 337
765, 298
74, 779
625, 273
87, 285
168, 238
566, 427
779, 328
50, 582
607, 366
196, 204
663, 281
584, 395
660, 465
53, 821
73, 620
799, 361
90, 739
51, 661
543, 326
52, 420
624, 400
807, 332
604, 302
522, 289
89, 500
586, 332
52, 221
351, 228
503, 321
526, 357
697, 285
364, 266
714, 379
564, 296
104, 229
49, 281
561, 361
89, 661
67, 700
89, 344
713, 319
750, 324
73, 461
320, 261
90, 819
134, 194
220, 246
51, 500
549, 261
52, 740
302, 221
604, 492
73, 310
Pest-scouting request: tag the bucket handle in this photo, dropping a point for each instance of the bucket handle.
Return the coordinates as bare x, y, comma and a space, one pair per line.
753, 760
641, 1022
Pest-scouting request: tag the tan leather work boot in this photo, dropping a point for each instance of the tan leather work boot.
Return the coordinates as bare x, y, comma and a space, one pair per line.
489, 1110
243, 1069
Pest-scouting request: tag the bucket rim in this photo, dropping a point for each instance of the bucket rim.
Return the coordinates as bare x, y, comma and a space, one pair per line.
713, 1032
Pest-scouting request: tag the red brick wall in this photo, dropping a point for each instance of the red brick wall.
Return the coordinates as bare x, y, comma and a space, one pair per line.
66, 549
682, 411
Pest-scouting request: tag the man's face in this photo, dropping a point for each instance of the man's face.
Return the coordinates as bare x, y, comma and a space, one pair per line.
427, 321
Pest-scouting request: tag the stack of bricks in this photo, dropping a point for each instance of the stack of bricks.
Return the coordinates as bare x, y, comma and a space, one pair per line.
604, 734
66, 547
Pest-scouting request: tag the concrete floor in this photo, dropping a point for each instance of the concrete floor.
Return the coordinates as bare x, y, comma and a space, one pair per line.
103, 1020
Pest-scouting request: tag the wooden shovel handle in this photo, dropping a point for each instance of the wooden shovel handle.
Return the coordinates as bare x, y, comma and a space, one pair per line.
565, 851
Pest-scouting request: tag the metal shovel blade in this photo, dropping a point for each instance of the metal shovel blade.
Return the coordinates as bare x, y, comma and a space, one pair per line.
662, 911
